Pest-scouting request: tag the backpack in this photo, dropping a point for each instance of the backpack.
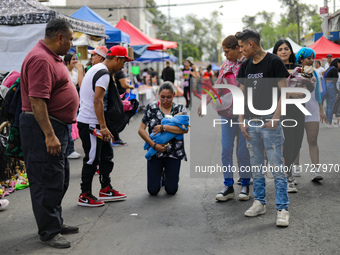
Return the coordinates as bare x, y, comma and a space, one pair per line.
324, 84
115, 117
7, 100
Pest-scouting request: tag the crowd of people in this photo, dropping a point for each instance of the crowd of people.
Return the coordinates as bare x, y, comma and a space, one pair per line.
55, 96
262, 137
57, 93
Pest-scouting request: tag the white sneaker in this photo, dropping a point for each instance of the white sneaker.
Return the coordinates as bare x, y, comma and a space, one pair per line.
282, 219
226, 194
291, 187
3, 204
331, 126
73, 155
244, 194
296, 170
256, 209
316, 176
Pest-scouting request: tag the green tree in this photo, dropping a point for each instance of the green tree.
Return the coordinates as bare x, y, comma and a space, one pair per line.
264, 27
200, 36
160, 20
250, 22
315, 24
298, 19
303, 14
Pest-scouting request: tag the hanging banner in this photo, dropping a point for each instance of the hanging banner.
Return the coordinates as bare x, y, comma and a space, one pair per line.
81, 39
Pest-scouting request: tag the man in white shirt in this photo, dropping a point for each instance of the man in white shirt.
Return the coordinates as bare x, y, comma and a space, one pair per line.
98, 150
319, 70
329, 60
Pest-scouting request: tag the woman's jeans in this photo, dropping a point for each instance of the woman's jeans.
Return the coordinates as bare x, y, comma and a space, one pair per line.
269, 141
330, 100
227, 142
155, 169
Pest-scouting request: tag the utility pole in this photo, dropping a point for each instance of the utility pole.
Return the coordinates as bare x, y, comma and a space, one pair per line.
169, 15
180, 46
219, 49
325, 22
292, 6
298, 22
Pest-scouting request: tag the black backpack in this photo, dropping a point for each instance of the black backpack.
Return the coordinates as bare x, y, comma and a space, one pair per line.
115, 117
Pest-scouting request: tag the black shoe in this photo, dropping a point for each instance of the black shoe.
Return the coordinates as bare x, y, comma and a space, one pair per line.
226, 193
58, 242
66, 229
244, 194
239, 181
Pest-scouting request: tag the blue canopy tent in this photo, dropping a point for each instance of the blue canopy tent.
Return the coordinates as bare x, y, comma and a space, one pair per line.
173, 58
155, 56
215, 67
115, 36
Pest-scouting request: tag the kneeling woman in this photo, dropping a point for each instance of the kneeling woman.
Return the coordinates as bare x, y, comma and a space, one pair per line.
168, 158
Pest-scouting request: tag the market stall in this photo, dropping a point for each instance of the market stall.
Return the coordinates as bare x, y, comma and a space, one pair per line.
323, 47
22, 24
137, 37
114, 35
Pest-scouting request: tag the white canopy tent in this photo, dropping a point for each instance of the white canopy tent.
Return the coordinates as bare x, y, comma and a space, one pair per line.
22, 24
295, 46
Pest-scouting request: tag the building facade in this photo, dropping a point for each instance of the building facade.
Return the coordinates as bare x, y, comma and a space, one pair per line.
113, 10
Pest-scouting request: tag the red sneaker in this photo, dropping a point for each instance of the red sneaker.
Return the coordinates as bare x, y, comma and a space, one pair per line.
86, 199
109, 194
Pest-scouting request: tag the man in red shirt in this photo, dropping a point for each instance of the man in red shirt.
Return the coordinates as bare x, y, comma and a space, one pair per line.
49, 104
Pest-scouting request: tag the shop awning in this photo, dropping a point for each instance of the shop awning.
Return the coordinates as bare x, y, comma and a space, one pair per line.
137, 37
114, 35
323, 47
155, 56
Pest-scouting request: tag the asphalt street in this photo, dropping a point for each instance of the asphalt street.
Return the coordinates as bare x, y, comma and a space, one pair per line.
192, 221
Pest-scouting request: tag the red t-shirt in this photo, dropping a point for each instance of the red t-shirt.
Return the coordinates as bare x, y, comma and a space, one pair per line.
44, 75
207, 74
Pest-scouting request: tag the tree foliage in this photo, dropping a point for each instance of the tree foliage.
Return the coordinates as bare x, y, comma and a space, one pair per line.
160, 20
297, 20
200, 36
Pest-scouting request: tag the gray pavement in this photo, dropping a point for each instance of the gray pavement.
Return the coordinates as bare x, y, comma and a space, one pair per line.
191, 222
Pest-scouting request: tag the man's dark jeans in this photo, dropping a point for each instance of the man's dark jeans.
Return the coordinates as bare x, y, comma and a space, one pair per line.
48, 175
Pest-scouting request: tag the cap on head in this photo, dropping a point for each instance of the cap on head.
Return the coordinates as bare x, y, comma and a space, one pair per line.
100, 50
119, 51
329, 55
190, 60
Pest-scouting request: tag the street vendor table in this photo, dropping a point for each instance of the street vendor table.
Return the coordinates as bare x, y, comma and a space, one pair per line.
146, 94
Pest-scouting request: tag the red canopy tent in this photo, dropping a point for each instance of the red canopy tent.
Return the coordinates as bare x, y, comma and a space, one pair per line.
137, 37
323, 47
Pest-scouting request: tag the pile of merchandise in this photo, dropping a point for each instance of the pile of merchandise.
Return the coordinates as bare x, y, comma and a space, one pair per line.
13, 178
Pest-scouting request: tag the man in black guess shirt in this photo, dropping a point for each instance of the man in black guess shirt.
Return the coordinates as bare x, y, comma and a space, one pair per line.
260, 76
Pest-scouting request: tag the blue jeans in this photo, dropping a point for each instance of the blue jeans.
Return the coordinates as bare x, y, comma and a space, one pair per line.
330, 100
271, 141
227, 142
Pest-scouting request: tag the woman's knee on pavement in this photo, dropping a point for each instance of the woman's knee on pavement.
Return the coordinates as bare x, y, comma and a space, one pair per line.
171, 190
153, 191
